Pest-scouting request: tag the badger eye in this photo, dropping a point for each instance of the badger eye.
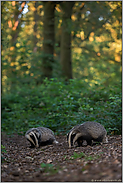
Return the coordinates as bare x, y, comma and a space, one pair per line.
74, 133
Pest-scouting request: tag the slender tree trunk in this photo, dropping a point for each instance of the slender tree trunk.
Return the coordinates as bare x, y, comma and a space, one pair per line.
66, 63
49, 39
36, 18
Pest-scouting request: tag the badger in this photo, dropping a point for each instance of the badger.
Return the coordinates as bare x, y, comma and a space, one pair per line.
40, 136
87, 131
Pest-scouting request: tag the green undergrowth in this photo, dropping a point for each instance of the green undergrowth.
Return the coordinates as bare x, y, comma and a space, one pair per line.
3, 150
82, 156
76, 155
49, 168
60, 105
86, 157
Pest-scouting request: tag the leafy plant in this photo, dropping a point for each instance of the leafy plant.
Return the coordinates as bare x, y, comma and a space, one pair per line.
3, 150
86, 157
60, 106
76, 155
49, 168
90, 158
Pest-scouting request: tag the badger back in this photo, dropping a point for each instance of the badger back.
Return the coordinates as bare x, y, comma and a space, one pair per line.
47, 135
94, 129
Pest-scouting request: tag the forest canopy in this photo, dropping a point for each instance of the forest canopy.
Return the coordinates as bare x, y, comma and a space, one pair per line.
60, 40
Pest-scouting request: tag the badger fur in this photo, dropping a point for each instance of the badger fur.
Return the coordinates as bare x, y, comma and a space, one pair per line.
40, 136
87, 131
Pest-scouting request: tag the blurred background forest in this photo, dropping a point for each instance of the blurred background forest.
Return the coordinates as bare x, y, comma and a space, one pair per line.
61, 64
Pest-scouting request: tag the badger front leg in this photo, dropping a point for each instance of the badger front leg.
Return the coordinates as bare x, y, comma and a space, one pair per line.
80, 141
89, 142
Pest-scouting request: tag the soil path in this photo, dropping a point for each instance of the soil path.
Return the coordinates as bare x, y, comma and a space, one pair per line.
58, 163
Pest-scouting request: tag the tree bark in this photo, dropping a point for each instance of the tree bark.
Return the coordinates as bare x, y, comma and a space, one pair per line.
36, 18
49, 39
66, 62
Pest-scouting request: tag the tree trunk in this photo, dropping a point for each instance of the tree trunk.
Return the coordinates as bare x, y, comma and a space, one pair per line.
36, 18
49, 39
66, 63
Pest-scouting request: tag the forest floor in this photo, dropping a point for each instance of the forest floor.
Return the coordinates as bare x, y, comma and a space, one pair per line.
58, 163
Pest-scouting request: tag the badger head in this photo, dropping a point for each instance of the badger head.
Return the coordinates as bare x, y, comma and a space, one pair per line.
34, 137
73, 136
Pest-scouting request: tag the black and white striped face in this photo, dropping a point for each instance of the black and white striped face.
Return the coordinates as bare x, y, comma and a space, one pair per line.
70, 138
74, 136
34, 137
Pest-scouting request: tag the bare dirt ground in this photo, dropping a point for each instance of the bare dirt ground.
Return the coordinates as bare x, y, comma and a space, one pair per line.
58, 163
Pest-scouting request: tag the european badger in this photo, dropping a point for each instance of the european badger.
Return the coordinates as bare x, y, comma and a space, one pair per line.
40, 136
87, 131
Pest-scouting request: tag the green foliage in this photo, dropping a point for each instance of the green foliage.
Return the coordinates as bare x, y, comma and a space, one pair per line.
49, 168
91, 158
3, 150
59, 105
76, 155
86, 157
97, 71
22, 48
96, 61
